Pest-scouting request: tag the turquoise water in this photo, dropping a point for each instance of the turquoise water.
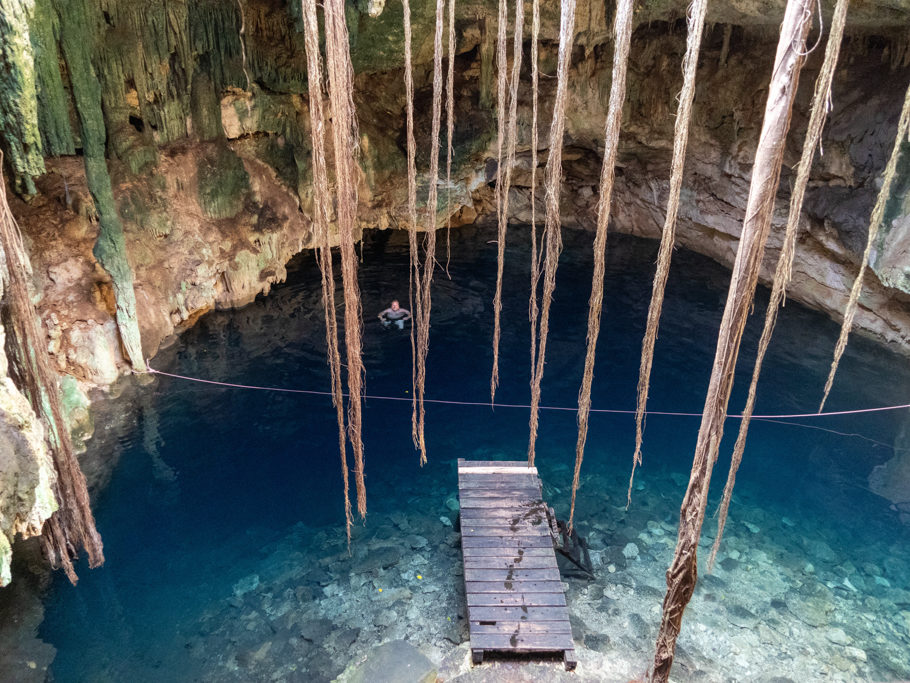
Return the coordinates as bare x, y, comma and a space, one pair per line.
223, 524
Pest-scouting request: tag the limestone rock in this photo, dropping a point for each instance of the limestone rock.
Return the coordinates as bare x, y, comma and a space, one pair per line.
396, 661
26, 470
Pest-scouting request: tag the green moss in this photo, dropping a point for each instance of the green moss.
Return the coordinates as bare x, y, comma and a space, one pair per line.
133, 148
76, 410
53, 102
146, 210
19, 131
223, 182
80, 23
206, 110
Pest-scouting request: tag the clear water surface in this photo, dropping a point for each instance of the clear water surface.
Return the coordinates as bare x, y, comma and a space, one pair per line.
224, 506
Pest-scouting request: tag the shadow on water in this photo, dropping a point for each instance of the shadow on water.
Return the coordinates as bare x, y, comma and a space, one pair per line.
213, 480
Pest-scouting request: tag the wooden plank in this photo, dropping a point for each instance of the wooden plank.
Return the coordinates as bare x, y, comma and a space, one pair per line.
508, 544
528, 514
508, 524
519, 531
496, 469
512, 574
494, 502
509, 562
504, 475
468, 464
507, 613
498, 502
520, 493
519, 642
520, 601
481, 527
510, 627
520, 507
513, 586
499, 531
478, 552
471, 487
515, 479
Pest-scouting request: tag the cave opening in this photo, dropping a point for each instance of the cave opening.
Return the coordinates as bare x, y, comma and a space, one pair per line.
226, 447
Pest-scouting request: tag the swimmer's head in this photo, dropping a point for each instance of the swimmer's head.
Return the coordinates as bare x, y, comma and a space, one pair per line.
394, 305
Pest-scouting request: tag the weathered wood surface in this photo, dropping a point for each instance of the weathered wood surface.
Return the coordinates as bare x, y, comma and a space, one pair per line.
516, 601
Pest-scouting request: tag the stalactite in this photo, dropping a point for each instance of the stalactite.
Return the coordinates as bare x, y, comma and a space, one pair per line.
53, 103
423, 323
535, 261
110, 249
72, 527
683, 571
820, 109
414, 293
725, 47
450, 131
345, 142
321, 205
668, 238
243, 59
19, 133
487, 50
552, 236
505, 175
622, 38
878, 214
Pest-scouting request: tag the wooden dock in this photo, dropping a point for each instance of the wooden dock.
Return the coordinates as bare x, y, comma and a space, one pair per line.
516, 602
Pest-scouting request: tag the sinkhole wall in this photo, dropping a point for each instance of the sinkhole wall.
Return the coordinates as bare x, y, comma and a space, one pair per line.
211, 173
147, 160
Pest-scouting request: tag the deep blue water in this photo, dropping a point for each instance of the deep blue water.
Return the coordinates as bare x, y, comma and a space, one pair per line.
211, 475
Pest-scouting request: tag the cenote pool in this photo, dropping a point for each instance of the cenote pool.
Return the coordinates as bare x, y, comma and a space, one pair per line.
223, 525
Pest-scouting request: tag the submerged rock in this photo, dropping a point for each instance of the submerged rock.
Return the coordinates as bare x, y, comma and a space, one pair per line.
246, 584
378, 558
394, 662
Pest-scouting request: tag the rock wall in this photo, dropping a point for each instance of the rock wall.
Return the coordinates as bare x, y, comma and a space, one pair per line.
26, 470
211, 173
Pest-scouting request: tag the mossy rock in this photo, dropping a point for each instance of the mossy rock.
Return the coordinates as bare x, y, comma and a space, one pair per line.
76, 411
134, 149
223, 182
146, 211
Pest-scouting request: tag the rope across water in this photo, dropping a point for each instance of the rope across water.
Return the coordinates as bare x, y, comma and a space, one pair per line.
487, 404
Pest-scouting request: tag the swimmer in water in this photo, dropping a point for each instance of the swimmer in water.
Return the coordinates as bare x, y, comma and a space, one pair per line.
396, 315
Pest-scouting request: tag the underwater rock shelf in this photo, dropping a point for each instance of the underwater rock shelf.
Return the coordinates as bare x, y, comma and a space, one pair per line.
516, 601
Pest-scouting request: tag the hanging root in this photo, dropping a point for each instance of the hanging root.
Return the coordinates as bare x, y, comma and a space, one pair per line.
72, 526
553, 182
680, 141
682, 573
501, 63
820, 110
535, 261
414, 296
878, 214
511, 134
622, 32
344, 139
450, 131
423, 330
321, 219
